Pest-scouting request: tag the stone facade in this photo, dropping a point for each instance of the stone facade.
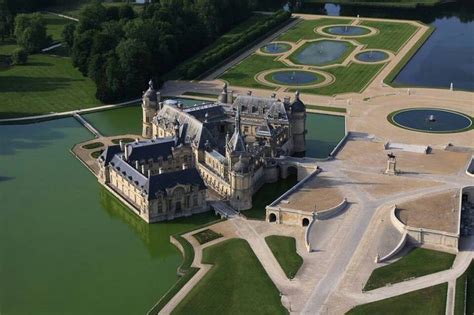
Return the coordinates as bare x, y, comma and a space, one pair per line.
234, 144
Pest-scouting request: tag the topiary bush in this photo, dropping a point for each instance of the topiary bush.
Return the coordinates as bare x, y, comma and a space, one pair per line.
20, 56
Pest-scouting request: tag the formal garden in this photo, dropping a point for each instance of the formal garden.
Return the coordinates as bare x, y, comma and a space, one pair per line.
324, 56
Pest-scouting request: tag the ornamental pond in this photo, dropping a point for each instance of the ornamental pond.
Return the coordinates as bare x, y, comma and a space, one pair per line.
68, 246
346, 30
321, 53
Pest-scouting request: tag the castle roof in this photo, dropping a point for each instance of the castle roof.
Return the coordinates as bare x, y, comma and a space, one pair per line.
144, 150
161, 182
297, 106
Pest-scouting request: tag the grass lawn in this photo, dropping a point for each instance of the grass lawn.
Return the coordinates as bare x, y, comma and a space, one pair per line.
284, 250
392, 36
352, 78
465, 292
236, 284
45, 84
243, 73
305, 29
417, 263
266, 195
206, 236
431, 301
326, 108
392, 3
55, 26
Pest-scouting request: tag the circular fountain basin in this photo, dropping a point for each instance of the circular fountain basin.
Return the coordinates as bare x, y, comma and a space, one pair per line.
348, 30
321, 53
431, 120
294, 78
372, 56
275, 48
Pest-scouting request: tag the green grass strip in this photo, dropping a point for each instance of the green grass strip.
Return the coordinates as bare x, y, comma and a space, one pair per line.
236, 284
419, 262
431, 301
399, 67
206, 236
327, 108
464, 299
284, 250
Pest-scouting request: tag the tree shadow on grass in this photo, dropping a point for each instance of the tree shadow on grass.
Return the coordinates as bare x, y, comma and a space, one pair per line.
30, 84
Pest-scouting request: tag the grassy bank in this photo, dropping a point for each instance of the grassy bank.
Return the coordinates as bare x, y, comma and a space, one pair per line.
464, 300
417, 263
236, 284
431, 301
284, 250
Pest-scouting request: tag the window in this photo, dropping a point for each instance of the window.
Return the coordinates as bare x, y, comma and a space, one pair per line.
195, 200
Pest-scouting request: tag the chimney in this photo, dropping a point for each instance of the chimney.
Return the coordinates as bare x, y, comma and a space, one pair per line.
160, 170
126, 151
249, 92
230, 97
184, 166
143, 169
137, 165
122, 146
149, 173
158, 97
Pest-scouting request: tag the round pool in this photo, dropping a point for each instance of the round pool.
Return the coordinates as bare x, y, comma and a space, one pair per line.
346, 30
431, 120
321, 53
372, 56
276, 48
292, 77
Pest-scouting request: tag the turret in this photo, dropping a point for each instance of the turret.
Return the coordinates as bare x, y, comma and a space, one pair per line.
223, 96
241, 185
298, 124
150, 106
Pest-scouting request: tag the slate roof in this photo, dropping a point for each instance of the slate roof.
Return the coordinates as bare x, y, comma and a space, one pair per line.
144, 150
161, 182
109, 153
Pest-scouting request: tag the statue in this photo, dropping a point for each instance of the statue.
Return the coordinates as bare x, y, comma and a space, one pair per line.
391, 165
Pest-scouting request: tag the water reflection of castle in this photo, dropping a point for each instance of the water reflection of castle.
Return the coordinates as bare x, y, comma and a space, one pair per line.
229, 146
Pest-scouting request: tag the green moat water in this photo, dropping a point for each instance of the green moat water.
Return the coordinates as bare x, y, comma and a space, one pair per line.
67, 246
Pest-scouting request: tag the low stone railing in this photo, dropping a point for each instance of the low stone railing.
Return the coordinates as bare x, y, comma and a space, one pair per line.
331, 212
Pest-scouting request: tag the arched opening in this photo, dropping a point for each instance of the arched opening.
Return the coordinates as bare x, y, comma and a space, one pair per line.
272, 217
305, 222
292, 170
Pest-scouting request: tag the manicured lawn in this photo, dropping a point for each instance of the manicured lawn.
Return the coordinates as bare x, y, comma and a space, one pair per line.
236, 284
392, 36
430, 301
305, 29
206, 236
93, 145
326, 108
392, 3
266, 195
465, 292
55, 25
417, 263
45, 84
284, 250
243, 73
352, 78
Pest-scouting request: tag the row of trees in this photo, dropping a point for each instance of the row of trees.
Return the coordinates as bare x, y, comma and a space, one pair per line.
120, 50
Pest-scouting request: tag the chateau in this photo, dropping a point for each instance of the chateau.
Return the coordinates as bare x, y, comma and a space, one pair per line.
228, 147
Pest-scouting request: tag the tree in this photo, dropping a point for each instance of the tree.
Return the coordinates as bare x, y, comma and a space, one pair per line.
6, 21
68, 34
81, 50
20, 56
91, 17
134, 59
30, 32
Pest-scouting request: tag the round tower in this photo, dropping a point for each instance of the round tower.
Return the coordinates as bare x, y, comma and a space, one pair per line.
241, 186
150, 105
298, 124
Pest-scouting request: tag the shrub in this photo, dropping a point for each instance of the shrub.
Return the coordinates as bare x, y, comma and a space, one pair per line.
20, 56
